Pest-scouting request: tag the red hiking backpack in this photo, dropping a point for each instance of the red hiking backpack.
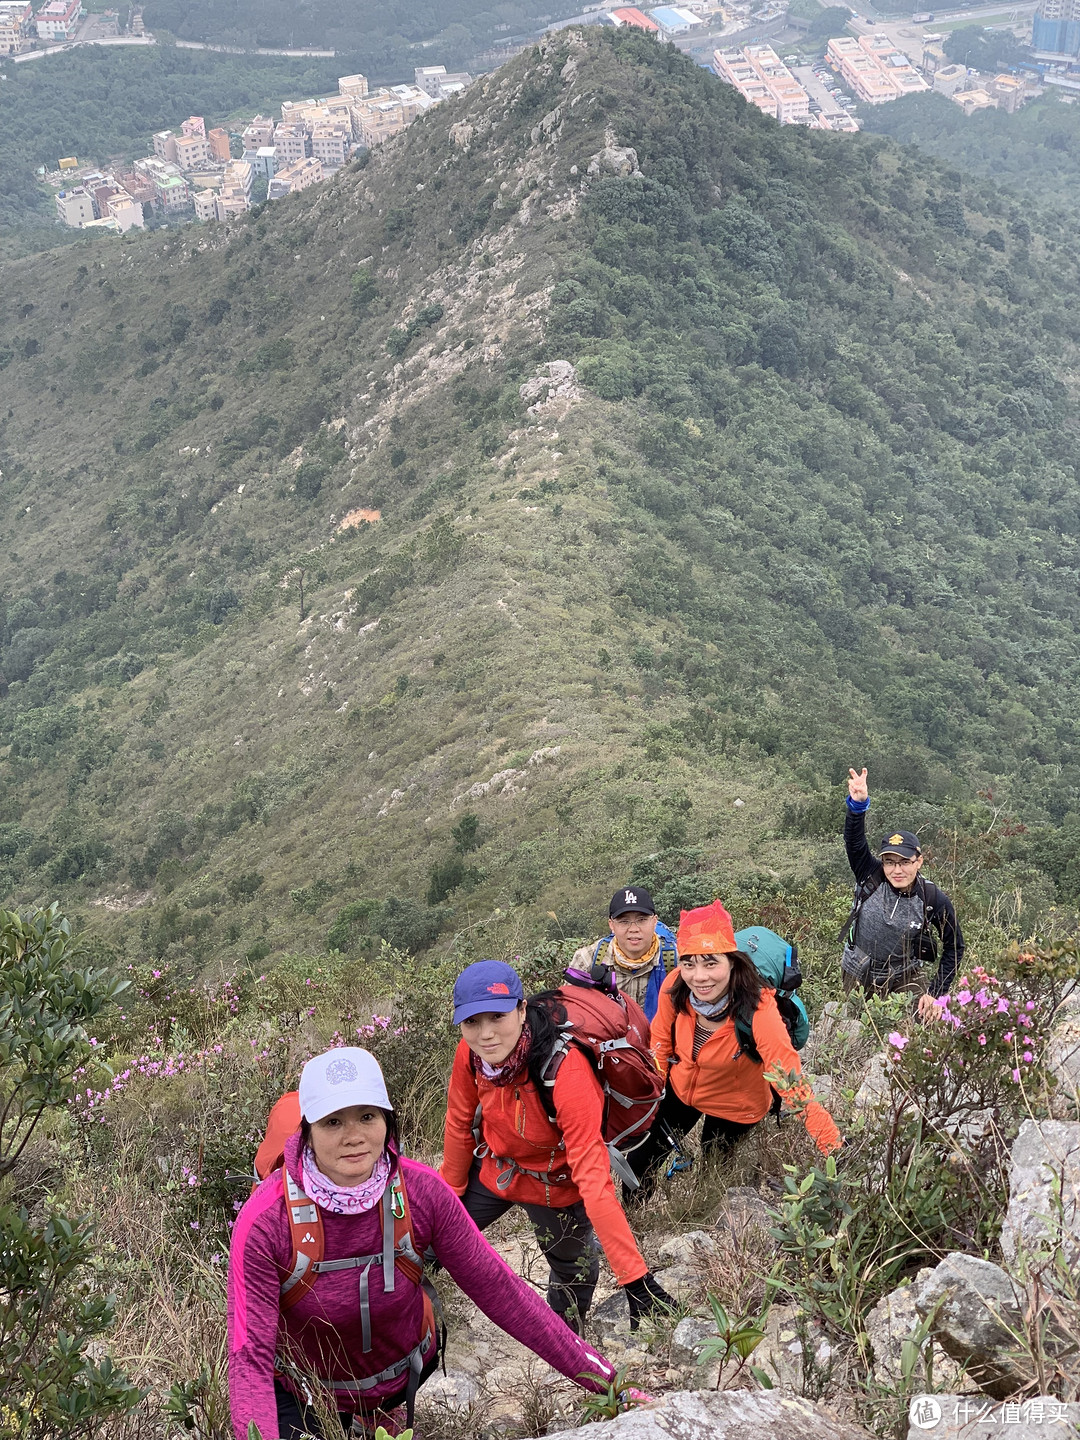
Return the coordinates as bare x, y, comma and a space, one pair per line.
611, 1031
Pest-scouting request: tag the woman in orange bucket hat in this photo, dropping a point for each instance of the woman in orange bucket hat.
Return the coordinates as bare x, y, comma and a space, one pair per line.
712, 1071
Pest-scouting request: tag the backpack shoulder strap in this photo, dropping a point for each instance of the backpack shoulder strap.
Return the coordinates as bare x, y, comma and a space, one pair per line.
669, 953
863, 890
745, 1036
308, 1241
405, 1255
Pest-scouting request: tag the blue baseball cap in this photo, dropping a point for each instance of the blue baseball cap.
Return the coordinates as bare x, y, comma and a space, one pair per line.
487, 986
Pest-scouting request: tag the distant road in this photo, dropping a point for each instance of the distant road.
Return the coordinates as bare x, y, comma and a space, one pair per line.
74, 45
240, 50
970, 12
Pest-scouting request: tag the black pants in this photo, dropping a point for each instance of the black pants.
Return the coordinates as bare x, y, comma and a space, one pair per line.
718, 1137
566, 1239
294, 1418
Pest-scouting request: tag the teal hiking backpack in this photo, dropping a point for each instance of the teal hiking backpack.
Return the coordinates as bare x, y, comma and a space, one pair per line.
777, 962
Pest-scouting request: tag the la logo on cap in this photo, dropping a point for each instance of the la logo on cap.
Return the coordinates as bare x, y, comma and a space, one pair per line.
498, 988
629, 897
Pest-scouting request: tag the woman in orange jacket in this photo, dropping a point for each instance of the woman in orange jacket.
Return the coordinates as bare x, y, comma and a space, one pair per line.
709, 1071
546, 1154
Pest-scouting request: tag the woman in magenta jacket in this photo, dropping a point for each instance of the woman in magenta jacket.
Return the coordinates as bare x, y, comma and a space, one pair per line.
361, 1330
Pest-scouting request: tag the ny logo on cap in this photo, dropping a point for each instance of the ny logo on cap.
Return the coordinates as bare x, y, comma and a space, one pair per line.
629, 897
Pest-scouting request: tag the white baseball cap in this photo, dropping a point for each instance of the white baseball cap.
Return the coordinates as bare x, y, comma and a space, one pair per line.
342, 1077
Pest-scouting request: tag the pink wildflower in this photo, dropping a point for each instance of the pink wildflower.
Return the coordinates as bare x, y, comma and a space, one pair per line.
897, 1040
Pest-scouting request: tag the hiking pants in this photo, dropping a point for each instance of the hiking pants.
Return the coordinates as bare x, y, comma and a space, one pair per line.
566, 1239
718, 1137
295, 1419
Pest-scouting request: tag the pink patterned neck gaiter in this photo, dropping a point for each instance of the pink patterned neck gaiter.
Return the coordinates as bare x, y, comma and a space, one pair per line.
344, 1199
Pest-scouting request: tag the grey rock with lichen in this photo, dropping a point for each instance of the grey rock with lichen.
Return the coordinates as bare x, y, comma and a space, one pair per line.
1044, 1192
725, 1415
689, 1249
975, 1308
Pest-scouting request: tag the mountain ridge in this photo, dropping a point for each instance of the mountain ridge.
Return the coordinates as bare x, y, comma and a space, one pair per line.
682, 572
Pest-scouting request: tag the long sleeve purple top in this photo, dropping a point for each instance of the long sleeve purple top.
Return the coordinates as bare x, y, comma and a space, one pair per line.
322, 1330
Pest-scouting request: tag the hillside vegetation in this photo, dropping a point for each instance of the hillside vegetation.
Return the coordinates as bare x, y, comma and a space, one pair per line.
1035, 152
811, 500
383, 31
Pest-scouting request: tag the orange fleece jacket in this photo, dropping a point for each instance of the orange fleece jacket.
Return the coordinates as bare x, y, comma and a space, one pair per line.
516, 1126
723, 1082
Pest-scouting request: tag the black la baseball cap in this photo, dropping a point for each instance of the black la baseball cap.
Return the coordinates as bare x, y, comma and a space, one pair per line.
631, 900
902, 843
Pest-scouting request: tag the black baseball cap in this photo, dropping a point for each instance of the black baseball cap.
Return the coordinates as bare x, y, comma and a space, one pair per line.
631, 900
902, 843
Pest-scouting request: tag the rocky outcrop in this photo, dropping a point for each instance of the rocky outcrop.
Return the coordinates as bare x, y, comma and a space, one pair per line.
795, 1349
743, 1210
552, 389
689, 1249
725, 1415
613, 159
1044, 1192
889, 1327
975, 1307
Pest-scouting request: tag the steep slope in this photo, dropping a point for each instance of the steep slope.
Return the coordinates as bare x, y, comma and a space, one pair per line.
807, 496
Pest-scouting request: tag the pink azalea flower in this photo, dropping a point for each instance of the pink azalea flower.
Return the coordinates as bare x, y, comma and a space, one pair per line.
982, 1039
897, 1040
1028, 1057
1016, 1075
1003, 1007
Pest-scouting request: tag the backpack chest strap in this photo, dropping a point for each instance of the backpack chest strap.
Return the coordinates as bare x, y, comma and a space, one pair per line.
308, 1247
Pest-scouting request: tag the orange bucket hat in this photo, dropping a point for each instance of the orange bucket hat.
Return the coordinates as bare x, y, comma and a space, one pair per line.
706, 931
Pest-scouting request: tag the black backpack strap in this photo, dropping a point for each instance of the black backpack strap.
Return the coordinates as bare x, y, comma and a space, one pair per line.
863, 890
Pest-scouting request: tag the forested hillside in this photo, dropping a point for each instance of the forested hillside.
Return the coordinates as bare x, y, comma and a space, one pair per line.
379, 28
808, 498
1035, 152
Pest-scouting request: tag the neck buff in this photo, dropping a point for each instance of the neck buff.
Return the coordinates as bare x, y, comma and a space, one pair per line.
344, 1199
710, 1009
507, 1069
625, 963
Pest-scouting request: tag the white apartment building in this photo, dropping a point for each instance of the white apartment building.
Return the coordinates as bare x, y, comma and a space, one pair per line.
75, 208
58, 20
330, 142
290, 144
16, 21
191, 151
295, 178
760, 76
354, 86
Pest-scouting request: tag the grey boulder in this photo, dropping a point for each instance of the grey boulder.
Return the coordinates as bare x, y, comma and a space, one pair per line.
976, 1307
1044, 1192
725, 1415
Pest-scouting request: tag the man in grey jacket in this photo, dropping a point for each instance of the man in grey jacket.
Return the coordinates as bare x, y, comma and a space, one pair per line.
890, 935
